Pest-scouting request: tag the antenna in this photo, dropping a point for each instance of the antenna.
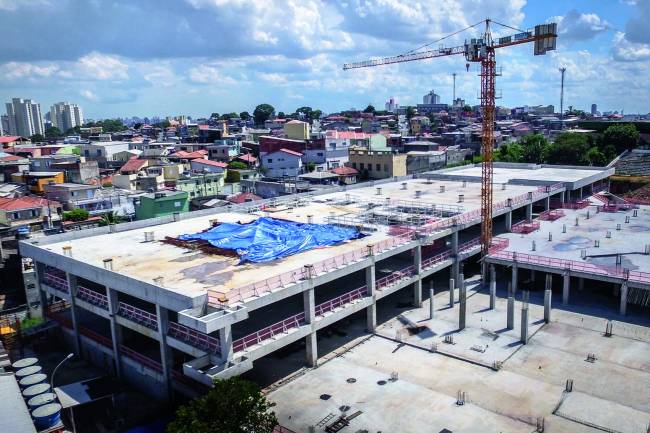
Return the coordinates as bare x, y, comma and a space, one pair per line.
562, 71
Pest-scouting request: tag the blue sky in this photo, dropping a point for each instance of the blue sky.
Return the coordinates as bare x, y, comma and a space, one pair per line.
170, 57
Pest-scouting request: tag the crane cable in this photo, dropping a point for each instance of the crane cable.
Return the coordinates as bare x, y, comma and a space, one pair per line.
443, 38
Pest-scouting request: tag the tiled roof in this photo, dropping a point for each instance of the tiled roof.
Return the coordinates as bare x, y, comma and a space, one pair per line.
9, 138
190, 155
210, 162
247, 157
27, 202
343, 170
347, 135
243, 197
133, 164
290, 152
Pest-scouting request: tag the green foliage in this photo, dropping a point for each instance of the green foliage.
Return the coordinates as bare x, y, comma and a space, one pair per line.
316, 114
596, 157
234, 405
410, 112
237, 165
262, 113
369, 109
73, 131
37, 138
512, 152
53, 132
621, 137
602, 125
232, 176
214, 116
311, 167
110, 218
568, 149
76, 215
30, 322
76, 150
533, 147
467, 109
244, 115
281, 115
228, 116
108, 125
162, 124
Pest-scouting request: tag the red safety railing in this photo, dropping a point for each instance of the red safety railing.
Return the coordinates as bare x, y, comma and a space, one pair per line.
264, 334
93, 297
95, 336
469, 245
551, 215
395, 277
615, 207
52, 278
601, 198
598, 187
339, 301
194, 338
434, 260
141, 359
498, 244
137, 315
579, 204
525, 227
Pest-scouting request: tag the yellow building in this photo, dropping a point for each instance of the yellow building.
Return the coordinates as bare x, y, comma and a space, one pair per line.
36, 180
377, 164
297, 130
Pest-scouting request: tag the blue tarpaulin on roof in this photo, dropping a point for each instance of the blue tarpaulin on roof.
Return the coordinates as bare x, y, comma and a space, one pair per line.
267, 239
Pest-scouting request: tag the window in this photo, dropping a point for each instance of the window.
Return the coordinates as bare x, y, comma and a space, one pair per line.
98, 152
378, 167
15, 216
86, 152
361, 166
319, 154
269, 160
386, 168
354, 165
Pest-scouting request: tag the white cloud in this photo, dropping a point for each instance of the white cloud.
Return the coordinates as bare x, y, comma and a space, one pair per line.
22, 70
627, 51
207, 74
580, 26
89, 95
102, 67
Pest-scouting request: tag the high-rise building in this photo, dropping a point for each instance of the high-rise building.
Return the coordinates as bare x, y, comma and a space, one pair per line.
65, 115
431, 98
24, 117
594, 109
391, 105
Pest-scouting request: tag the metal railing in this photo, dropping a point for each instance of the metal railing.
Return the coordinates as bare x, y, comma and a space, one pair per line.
95, 336
282, 327
339, 301
141, 359
52, 278
525, 227
92, 297
434, 260
395, 277
194, 338
137, 315
551, 215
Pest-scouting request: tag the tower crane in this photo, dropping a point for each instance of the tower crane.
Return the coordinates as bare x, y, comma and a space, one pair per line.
480, 50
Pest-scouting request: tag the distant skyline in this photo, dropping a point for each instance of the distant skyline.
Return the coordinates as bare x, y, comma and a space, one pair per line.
196, 57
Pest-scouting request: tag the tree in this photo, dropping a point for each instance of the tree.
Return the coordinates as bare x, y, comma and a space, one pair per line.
52, 132
244, 115
214, 116
232, 176
467, 109
162, 124
596, 157
281, 115
304, 112
410, 113
311, 167
73, 131
234, 405
316, 114
568, 149
262, 113
37, 138
622, 137
76, 215
369, 109
512, 152
237, 165
228, 116
532, 147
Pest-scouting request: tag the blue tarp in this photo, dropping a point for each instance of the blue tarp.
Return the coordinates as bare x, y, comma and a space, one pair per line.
268, 239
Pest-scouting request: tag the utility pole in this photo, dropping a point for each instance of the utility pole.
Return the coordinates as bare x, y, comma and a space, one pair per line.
454, 99
562, 71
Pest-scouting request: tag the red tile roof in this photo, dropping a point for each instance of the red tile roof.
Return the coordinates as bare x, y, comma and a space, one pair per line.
243, 197
134, 164
27, 202
190, 155
290, 152
343, 170
9, 138
347, 135
247, 157
210, 162
11, 158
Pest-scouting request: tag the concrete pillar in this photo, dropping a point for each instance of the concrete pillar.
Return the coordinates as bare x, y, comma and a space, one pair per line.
225, 343
529, 211
116, 329
581, 193
166, 358
312, 349
563, 197
510, 314
417, 285
524, 323
309, 301
548, 293
513, 285
462, 298
581, 284
431, 305
547, 203
623, 306
565, 288
371, 310
493, 287
452, 285
509, 221
532, 275
39, 272
455, 265
72, 285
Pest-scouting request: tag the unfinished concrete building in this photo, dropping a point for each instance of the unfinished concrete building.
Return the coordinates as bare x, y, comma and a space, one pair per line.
134, 300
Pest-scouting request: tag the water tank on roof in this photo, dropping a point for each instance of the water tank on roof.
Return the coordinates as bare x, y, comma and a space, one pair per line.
47, 416
23, 372
34, 390
32, 379
25, 362
41, 399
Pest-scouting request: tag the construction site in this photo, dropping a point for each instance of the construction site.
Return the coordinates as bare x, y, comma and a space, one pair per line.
565, 300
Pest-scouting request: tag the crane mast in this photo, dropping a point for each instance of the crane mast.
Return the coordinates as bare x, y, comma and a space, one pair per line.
481, 50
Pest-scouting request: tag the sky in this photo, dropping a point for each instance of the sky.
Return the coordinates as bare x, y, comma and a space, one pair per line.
122, 58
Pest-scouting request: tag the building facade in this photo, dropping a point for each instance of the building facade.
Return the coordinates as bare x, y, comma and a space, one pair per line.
24, 118
65, 115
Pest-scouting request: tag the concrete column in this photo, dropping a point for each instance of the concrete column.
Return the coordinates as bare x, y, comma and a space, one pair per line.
510, 314
547, 203
509, 221
548, 293
462, 298
455, 265
493, 287
371, 310
72, 284
524, 323
532, 275
565, 287
581, 284
116, 329
581, 193
529, 211
568, 196
452, 285
312, 349
309, 300
623, 306
562, 197
431, 306
166, 357
225, 343
417, 286
39, 272
513, 283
